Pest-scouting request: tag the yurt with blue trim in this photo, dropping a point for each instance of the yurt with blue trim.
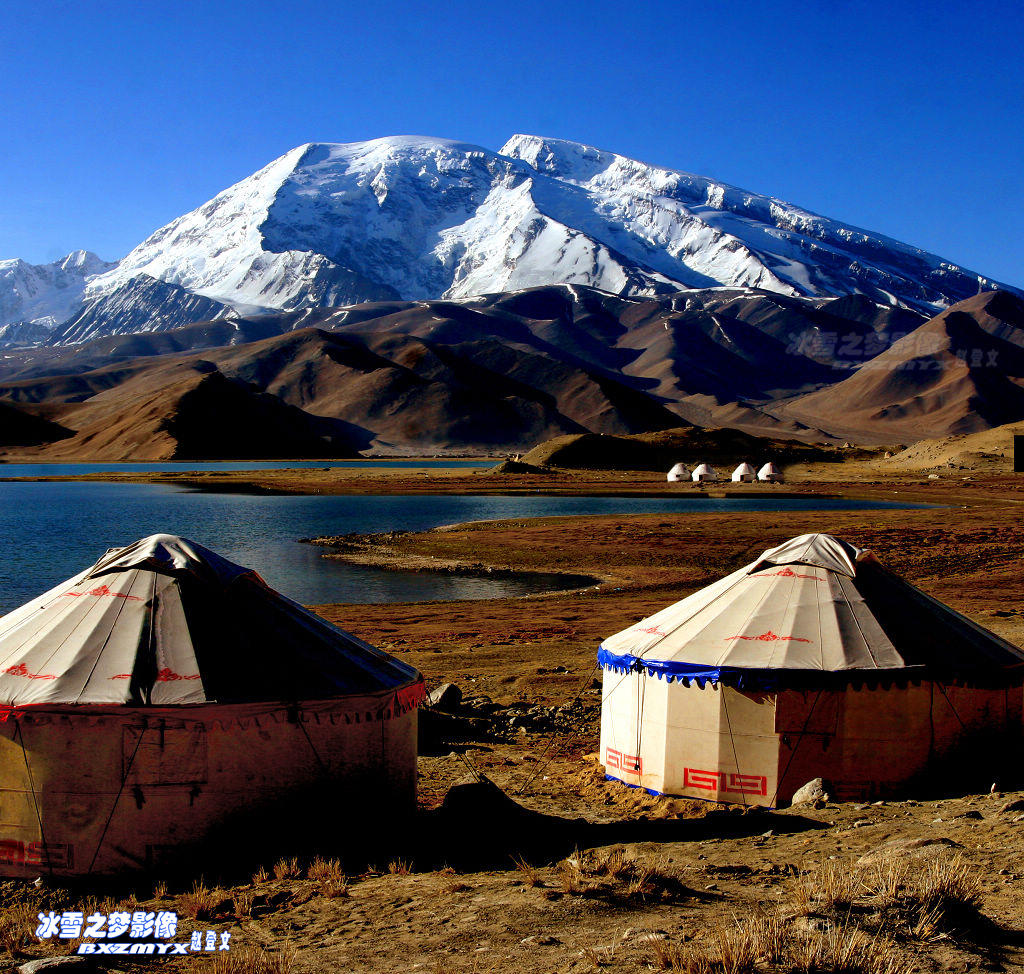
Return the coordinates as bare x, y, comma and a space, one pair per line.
166, 698
812, 661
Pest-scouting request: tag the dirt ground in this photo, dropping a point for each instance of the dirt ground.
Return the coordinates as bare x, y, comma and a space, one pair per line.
563, 871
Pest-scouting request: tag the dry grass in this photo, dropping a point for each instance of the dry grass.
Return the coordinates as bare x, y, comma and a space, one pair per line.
887, 880
833, 886
159, 890
329, 877
598, 956
763, 944
17, 927
946, 897
530, 874
251, 960
287, 869
845, 950
942, 896
399, 867
243, 902
200, 902
735, 951
615, 863
570, 875
616, 876
260, 876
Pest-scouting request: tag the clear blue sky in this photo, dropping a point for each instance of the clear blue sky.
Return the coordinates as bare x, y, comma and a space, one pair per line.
903, 117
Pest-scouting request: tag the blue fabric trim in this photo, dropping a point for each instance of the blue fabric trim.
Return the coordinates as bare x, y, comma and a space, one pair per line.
743, 678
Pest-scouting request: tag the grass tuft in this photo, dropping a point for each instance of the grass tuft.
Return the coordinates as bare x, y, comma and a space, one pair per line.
530, 874
287, 869
200, 902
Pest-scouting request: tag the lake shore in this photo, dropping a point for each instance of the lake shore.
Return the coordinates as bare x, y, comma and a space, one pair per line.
852, 479
493, 899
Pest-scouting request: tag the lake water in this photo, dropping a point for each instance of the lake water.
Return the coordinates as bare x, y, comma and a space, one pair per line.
52, 530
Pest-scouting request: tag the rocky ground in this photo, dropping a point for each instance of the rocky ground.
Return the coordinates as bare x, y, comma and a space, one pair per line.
551, 868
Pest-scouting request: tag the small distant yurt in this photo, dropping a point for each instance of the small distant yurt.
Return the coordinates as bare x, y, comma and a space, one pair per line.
770, 474
743, 474
679, 472
166, 697
812, 661
704, 473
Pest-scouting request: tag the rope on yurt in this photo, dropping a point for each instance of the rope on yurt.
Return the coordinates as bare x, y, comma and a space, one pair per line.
117, 798
951, 707
35, 802
792, 754
309, 740
732, 741
640, 699
469, 764
542, 764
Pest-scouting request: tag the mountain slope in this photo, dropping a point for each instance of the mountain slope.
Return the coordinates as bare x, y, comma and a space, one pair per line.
741, 238
43, 295
419, 218
193, 413
20, 427
388, 391
961, 372
498, 372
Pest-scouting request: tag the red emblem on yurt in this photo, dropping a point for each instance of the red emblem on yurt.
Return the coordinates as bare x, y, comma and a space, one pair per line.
770, 637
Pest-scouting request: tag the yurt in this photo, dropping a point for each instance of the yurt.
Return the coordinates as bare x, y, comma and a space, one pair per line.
770, 474
811, 661
743, 474
679, 472
166, 697
704, 473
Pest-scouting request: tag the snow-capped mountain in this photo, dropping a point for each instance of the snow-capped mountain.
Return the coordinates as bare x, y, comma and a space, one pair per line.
35, 297
416, 218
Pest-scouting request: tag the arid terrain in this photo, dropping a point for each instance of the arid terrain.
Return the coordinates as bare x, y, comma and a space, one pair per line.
552, 868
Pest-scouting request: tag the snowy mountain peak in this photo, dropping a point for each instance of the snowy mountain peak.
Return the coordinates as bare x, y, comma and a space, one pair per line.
35, 297
416, 218
83, 262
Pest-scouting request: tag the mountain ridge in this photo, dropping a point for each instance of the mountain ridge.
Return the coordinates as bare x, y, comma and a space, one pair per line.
422, 218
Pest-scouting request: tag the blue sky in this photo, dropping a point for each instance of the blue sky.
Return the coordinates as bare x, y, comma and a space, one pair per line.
903, 117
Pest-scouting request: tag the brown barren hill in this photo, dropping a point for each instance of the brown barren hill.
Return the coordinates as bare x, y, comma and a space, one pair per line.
199, 416
20, 427
661, 450
387, 391
960, 372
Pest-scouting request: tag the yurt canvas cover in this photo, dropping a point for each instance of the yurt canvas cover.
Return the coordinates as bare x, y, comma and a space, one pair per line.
744, 473
202, 695
679, 472
769, 472
704, 472
811, 661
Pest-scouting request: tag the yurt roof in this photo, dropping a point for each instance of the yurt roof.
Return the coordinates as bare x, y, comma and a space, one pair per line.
815, 611
769, 467
166, 621
680, 468
744, 468
704, 468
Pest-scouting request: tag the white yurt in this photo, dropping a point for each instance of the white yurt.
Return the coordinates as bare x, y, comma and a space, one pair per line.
770, 473
679, 472
811, 661
165, 697
743, 474
704, 473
